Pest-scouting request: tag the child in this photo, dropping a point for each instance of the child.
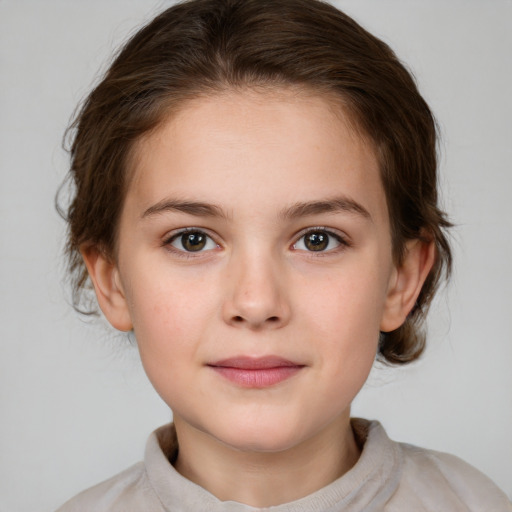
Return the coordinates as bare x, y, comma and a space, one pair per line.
256, 199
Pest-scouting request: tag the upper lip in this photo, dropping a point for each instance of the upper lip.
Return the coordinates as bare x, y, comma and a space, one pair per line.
254, 363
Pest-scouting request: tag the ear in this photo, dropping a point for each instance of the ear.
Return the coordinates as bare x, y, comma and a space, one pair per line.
104, 275
406, 283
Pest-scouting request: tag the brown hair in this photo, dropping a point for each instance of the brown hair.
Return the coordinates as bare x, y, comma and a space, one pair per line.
201, 46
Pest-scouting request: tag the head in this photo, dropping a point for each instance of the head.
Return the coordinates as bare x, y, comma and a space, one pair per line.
209, 48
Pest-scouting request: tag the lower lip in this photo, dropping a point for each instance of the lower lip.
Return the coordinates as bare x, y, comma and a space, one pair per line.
257, 378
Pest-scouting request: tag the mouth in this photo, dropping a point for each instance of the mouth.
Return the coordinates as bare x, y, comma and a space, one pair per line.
256, 372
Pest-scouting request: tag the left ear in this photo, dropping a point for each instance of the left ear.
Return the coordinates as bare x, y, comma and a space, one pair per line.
406, 283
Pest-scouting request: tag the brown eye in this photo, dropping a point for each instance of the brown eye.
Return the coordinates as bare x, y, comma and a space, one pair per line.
192, 241
318, 240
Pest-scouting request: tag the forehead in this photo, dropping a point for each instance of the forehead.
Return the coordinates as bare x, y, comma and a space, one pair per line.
269, 148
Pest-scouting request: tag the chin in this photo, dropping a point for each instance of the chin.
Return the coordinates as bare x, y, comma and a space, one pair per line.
261, 444
271, 436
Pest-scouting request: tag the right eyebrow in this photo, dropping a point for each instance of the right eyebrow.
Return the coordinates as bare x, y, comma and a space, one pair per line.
198, 209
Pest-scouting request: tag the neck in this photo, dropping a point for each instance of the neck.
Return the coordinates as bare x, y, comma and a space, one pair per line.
266, 479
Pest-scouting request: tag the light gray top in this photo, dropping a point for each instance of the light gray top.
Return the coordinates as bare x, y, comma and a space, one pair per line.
388, 477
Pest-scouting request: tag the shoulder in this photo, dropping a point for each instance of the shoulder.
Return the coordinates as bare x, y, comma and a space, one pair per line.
443, 480
413, 478
128, 491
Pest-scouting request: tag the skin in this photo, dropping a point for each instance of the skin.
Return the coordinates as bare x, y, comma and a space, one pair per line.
256, 289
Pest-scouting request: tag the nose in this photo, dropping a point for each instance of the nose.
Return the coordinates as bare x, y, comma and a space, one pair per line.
256, 297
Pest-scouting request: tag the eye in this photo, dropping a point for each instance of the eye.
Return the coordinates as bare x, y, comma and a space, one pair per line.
192, 241
319, 240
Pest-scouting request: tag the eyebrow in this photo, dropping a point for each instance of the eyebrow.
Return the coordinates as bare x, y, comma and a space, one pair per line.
196, 208
334, 205
297, 210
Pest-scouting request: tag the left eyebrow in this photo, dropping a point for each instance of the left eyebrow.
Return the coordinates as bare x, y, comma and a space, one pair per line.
334, 205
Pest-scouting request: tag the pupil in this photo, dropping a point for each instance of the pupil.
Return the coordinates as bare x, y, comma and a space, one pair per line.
193, 241
317, 241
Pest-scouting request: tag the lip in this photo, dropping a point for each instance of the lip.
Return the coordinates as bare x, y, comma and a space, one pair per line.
256, 372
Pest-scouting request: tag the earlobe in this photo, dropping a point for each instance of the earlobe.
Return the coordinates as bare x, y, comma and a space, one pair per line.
406, 283
104, 275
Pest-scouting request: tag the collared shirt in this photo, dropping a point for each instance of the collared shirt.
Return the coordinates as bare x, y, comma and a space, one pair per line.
388, 477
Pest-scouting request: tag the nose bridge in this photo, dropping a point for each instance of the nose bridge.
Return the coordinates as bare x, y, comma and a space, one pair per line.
257, 292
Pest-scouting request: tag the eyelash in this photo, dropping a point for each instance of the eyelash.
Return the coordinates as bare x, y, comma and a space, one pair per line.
340, 239
168, 241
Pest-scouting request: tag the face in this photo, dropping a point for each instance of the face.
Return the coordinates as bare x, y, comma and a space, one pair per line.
255, 266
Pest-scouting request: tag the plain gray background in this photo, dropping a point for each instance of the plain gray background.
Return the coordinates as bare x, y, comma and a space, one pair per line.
75, 405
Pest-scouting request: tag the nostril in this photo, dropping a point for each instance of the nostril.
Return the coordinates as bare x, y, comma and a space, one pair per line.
240, 319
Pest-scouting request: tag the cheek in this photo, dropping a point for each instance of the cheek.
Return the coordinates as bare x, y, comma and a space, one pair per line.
168, 329
348, 331
170, 315
344, 307
342, 314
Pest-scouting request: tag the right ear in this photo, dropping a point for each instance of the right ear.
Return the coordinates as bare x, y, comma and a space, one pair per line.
104, 275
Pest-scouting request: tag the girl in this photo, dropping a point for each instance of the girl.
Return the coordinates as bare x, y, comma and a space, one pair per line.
256, 200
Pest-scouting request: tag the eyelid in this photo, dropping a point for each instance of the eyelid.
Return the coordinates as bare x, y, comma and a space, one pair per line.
170, 237
167, 240
340, 236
